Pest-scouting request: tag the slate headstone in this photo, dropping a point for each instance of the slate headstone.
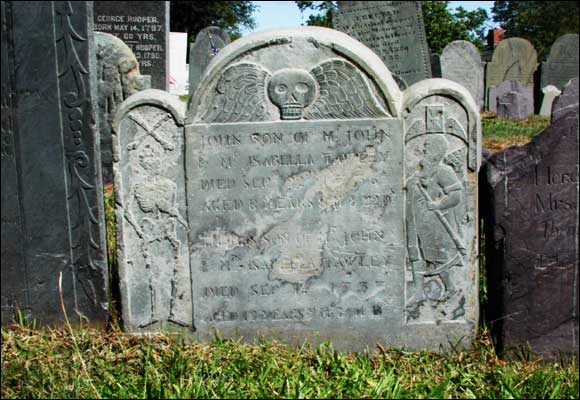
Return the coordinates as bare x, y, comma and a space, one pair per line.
461, 63
513, 59
496, 93
550, 93
531, 203
566, 101
514, 105
118, 78
53, 233
144, 27
394, 30
562, 63
208, 42
301, 156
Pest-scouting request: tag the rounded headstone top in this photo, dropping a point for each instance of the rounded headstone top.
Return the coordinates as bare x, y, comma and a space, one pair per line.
465, 46
516, 46
565, 45
303, 47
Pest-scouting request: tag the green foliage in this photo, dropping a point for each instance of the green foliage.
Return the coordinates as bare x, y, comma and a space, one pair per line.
324, 11
87, 363
540, 22
193, 16
443, 26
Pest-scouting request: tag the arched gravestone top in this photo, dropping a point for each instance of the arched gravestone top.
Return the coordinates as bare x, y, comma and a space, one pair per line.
322, 203
562, 63
461, 63
208, 43
513, 59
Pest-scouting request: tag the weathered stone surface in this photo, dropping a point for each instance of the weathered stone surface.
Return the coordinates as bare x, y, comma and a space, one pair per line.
144, 27
208, 42
301, 157
496, 93
118, 78
461, 63
52, 204
514, 105
531, 217
562, 63
550, 93
394, 30
566, 101
513, 59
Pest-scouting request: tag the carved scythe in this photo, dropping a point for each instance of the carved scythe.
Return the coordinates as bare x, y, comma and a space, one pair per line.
445, 223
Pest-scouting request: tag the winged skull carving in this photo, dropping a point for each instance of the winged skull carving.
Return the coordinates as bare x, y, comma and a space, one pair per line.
333, 89
240, 95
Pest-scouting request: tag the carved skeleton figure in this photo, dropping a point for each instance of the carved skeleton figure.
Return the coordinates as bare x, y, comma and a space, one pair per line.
155, 198
434, 217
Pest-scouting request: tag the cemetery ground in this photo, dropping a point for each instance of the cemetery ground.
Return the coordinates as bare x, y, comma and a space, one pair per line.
78, 361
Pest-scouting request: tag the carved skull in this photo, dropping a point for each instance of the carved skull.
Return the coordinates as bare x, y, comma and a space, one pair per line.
292, 90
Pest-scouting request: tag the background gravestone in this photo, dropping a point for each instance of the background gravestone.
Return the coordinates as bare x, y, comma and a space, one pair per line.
144, 27
562, 63
435, 65
461, 63
551, 92
531, 220
208, 42
394, 30
566, 101
52, 198
118, 78
295, 209
514, 105
513, 59
496, 93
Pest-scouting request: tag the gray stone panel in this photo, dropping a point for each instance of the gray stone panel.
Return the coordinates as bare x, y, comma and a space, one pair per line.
513, 59
562, 63
118, 78
496, 93
300, 158
144, 27
208, 42
567, 101
394, 30
461, 63
52, 204
531, 217
514, 105
151, 216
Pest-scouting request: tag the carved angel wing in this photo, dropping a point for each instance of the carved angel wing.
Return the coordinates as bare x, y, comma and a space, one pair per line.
456, 159
239, 96
344, 93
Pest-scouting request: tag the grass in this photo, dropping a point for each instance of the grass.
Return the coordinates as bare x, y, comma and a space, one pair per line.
498, 134
46, 363
88, 363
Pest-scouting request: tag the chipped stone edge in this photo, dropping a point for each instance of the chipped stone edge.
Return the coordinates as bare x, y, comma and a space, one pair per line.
341, 43
150, 97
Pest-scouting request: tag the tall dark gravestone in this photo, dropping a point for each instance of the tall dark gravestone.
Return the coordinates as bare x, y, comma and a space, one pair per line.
394, 30
530, 204
52, 200
302, 196
144, 27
